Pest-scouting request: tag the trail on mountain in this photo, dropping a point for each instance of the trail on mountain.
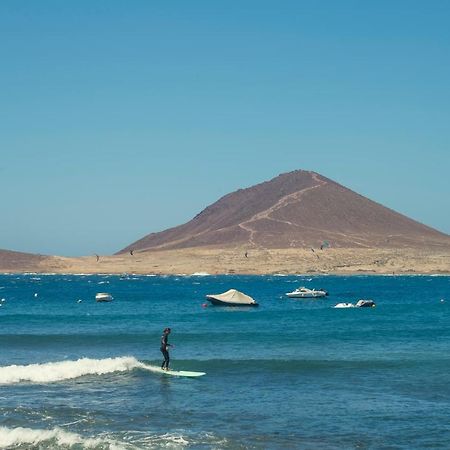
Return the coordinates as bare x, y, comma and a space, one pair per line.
287, 200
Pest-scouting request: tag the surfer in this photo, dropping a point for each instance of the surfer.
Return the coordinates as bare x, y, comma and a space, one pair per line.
164, 348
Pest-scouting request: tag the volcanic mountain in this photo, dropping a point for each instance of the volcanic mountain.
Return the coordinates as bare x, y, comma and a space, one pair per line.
300, 209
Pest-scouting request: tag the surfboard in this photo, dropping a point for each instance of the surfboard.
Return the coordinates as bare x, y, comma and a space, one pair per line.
175, 373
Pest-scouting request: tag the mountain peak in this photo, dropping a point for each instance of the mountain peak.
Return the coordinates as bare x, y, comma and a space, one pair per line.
298, 209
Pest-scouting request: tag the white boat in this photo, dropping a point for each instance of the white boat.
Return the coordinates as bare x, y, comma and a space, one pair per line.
303, 292
103, 297
359, 304
231, 298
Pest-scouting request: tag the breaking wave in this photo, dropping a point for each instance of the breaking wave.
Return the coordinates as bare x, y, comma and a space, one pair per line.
66, 370
37, 438
58, 438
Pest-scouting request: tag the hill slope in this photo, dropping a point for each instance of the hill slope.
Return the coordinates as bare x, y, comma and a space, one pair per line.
299, 209
11, 261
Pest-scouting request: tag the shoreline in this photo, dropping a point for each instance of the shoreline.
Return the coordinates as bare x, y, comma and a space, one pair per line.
233, 261
337, 274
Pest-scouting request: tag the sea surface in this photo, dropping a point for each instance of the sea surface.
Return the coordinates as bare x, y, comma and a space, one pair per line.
291, 374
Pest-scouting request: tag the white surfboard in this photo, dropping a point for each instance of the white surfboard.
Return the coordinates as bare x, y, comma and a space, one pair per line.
175, 373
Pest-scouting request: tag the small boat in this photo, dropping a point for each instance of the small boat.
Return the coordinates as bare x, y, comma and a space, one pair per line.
365, 304
359, 304
103, 297
303, 292
231, 298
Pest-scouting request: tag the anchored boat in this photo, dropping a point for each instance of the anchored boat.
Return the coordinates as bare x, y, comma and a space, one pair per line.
231, 298
303, 292
103, 297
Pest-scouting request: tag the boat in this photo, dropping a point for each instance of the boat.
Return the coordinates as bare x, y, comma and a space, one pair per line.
103, 297
303, 292
231, 297
359, 304
365, 304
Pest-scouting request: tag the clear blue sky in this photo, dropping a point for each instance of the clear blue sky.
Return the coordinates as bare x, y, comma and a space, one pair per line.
121, 118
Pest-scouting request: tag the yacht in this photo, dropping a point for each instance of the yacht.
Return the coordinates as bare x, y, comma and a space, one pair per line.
303, 292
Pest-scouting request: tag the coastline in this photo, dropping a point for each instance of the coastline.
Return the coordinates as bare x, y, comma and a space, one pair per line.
213, 261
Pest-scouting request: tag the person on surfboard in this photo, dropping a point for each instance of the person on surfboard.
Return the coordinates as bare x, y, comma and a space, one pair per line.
164, 348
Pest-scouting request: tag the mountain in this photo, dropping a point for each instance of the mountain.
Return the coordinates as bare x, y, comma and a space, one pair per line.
300, 209
11, 261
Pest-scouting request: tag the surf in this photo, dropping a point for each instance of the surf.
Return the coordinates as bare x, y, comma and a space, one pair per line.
66, 370
59, 438
17, 437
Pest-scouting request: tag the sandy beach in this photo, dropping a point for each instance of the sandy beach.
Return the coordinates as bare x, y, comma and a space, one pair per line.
258, 261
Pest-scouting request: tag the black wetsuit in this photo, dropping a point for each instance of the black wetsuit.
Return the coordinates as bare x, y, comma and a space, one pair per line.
164, 347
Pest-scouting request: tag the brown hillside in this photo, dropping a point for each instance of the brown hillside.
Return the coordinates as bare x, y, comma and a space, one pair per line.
11, 261
299, 209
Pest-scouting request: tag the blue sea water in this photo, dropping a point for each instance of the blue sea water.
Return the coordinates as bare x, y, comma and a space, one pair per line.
289, 374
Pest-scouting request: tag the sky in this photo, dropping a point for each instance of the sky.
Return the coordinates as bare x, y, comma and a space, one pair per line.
118, 119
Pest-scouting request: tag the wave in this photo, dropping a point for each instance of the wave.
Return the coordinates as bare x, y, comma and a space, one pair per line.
55, 438
66, 370
35, 438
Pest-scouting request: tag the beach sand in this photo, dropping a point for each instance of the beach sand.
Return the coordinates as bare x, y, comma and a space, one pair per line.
258, 261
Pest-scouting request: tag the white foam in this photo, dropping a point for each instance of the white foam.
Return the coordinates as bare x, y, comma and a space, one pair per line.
66, 370
58, 437
166, 440
12, 437
200, 274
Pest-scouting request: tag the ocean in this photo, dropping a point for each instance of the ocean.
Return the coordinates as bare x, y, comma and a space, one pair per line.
291, 374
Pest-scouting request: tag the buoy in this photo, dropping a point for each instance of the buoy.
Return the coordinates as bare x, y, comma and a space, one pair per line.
79, 300
35, 294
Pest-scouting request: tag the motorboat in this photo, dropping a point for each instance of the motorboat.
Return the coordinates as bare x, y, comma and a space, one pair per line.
345, 305
359, 304
231, 297
103, 297
365, 304
303, 292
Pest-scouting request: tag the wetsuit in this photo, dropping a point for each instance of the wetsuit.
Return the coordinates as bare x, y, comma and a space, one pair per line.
164, 347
